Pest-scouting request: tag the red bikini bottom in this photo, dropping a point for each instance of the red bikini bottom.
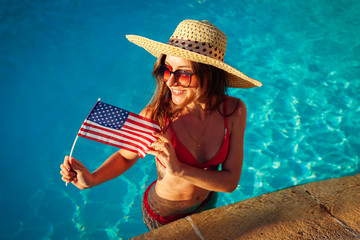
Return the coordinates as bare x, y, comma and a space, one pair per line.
162, 220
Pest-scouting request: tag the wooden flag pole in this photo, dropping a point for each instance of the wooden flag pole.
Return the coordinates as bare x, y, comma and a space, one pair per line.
72, 149
77, 136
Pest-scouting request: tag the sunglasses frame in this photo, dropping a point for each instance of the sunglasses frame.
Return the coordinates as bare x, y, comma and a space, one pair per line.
163, 68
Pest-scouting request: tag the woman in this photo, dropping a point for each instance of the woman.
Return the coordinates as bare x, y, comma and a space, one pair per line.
202, 128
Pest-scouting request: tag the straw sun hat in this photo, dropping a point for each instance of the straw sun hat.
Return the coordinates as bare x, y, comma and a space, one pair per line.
198, 41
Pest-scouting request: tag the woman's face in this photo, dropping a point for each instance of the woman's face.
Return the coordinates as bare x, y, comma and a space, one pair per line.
178, 93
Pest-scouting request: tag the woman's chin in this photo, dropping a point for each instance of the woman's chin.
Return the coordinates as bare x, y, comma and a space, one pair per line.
178, 100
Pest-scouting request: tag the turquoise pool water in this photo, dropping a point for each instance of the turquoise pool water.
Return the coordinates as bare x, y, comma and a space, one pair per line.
58, 58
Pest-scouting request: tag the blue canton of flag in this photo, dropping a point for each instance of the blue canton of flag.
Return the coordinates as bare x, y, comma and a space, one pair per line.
120, 128
109, 116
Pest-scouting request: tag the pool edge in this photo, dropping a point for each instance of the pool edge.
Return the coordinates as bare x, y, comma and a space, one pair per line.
325, 209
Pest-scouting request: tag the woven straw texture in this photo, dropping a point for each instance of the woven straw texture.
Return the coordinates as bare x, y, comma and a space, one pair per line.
199, 42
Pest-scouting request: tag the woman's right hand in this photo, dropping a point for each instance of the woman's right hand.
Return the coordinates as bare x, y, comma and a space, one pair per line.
75, 172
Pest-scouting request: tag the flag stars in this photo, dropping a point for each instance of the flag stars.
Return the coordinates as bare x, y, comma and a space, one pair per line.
109, 116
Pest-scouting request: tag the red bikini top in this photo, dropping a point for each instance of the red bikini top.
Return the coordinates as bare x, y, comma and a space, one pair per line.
185, 156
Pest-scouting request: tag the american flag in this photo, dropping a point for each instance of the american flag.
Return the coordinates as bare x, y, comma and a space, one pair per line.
119, 128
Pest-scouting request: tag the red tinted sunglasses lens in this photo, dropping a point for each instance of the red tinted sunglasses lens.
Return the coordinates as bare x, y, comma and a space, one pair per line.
166, 74
183, 77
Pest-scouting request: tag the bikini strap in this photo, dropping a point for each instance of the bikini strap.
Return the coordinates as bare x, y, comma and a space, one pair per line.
168, 125
225, 117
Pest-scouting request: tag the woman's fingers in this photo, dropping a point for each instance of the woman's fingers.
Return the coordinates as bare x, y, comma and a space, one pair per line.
66, 173
67, 163
159, 154
65, 176
157, 145
66, 179
161, 146
162, 137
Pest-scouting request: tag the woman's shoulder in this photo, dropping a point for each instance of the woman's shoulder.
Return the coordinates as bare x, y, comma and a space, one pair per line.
146, 112
235, 106
236, 112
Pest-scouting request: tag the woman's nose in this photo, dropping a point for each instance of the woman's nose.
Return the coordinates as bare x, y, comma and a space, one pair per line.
172, 81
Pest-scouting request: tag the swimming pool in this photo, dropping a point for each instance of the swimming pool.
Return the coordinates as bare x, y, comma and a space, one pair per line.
58, 58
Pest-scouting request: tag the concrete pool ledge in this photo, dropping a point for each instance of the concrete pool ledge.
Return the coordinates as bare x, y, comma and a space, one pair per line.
328, 209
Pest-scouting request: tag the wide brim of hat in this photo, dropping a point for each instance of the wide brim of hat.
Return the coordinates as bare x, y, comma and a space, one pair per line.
235, 78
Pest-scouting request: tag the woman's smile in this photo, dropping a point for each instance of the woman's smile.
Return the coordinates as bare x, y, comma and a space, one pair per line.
177, 92
179, 96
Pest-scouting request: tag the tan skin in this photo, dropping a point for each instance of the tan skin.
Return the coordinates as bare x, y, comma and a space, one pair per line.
179, 181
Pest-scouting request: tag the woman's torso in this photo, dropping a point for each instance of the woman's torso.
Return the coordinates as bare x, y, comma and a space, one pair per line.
212, 131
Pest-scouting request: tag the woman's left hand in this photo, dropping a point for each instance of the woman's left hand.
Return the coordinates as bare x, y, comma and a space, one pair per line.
163, 150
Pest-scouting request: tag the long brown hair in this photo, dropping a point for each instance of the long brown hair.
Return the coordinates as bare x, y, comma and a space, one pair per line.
161, 107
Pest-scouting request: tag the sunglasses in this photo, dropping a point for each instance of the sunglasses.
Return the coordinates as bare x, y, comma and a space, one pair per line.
182, 77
